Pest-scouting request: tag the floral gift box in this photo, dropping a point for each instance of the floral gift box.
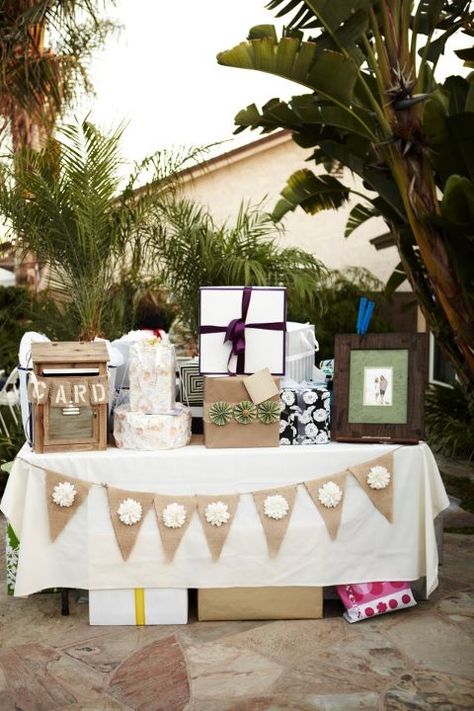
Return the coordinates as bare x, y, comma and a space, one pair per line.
305, 414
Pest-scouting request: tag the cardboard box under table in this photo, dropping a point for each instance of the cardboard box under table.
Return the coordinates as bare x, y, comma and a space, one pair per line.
231, 391
272, 603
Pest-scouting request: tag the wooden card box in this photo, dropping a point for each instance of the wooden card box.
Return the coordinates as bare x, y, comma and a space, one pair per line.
57, 429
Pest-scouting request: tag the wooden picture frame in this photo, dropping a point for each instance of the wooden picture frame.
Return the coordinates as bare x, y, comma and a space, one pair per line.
379, 387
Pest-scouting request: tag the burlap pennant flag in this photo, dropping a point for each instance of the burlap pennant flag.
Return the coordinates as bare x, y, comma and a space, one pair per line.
327, 494
376, 479
217, 514
174, 514
275, 507
127, 511
64, 495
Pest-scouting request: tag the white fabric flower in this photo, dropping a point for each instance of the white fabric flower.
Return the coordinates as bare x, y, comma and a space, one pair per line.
284, 440
288, 397
217, 513
378, 477
174, 515
64, 494
276, 506
130, 511
309, 397
305, 417
307, 441
311, 430
326, 395
283, 425
320, 415
322, 438
330, 495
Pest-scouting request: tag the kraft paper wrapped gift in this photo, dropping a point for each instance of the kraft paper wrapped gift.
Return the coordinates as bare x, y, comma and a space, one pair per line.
141, 606
242, 329
272, 603
136, 430
231, 391
301, 347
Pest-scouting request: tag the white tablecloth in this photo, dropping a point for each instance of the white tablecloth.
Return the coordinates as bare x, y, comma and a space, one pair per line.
368, 548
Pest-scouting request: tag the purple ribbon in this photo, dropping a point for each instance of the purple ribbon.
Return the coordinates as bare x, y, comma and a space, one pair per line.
235, 332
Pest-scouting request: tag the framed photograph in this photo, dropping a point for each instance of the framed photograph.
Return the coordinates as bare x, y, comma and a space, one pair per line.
379, 387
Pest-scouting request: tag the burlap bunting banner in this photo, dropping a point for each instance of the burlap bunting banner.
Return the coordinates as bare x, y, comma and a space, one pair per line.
61, 392
377, 472
217, 514
331, 510
64, 495
126, 533
275, 525
128, 509
174, 514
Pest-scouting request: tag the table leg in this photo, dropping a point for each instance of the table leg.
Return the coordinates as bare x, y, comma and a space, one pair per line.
65, 602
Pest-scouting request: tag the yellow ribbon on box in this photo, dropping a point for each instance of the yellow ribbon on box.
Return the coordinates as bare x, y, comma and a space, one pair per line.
140, 618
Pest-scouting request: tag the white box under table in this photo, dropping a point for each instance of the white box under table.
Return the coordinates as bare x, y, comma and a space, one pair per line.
368, 548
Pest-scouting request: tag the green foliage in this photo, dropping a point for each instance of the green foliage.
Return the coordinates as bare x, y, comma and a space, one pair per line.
64, 204
191, 250
373, 106
340, 292
43, 81
15, 306
449, 417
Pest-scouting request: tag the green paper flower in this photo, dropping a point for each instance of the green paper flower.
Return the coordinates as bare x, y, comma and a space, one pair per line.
220, 413
268, 412
245, 412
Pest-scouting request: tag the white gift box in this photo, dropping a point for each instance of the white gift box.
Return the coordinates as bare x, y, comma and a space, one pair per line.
301, 346
141, 606
258, 312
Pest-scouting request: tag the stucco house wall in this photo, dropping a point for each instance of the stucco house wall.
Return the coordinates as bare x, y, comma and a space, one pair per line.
259, 170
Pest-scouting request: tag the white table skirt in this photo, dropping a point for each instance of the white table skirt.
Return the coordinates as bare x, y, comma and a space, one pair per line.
367, 548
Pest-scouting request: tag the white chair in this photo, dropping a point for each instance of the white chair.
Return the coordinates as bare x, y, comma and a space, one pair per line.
10, 397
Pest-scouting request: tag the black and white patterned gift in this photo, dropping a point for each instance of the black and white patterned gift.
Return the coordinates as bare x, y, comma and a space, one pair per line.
305, 414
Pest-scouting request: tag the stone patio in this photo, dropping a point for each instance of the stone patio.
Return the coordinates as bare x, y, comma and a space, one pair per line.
422, 658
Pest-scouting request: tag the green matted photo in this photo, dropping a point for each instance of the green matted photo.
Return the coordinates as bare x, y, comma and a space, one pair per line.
379, 387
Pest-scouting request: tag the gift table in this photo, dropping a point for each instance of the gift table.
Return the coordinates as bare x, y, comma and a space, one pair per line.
367, 548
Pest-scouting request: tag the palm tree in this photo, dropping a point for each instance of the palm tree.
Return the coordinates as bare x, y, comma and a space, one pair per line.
373, 105
190, 250
65, 204
44, 48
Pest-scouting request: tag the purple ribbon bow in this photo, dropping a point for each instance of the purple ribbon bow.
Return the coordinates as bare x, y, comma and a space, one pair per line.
235, 332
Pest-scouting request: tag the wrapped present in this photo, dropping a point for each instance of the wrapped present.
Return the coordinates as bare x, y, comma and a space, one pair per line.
12, 551
191, 382
152, 373
235, 417
149, 606
242, 329
271, 603
137, 430
122, 345
365, 600
301, 346
305, 414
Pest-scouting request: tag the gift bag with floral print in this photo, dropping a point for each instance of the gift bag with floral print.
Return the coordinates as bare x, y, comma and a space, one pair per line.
305, 414
12, 551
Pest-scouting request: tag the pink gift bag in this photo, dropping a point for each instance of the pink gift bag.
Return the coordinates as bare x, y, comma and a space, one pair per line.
363, 600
